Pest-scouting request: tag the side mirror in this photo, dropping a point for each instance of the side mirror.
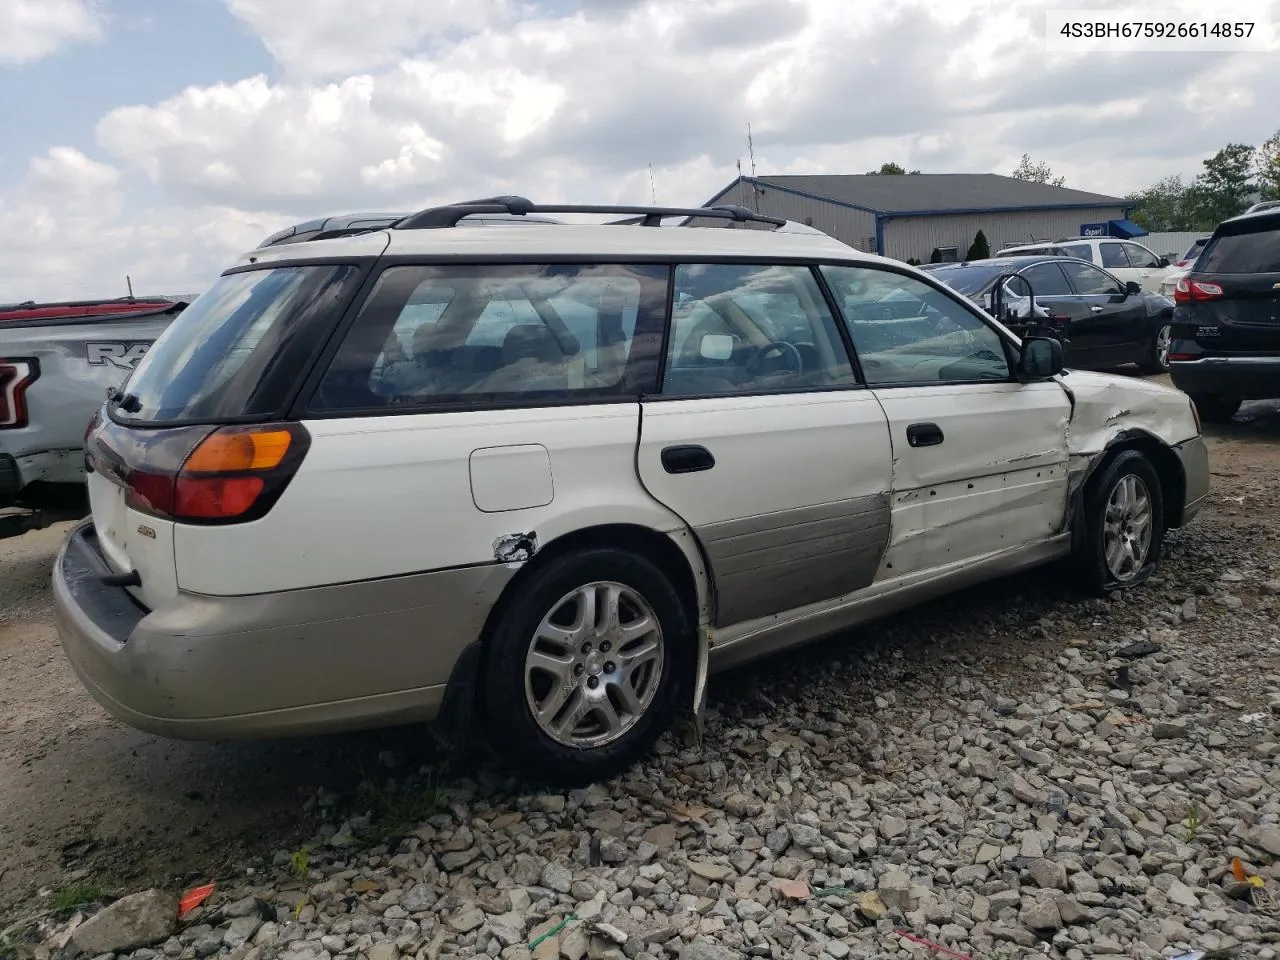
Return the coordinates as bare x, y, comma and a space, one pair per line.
1164, 261
1132, 288
1041, 358
716, 346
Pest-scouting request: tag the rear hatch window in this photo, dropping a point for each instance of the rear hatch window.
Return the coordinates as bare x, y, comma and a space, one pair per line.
1253, 252
238, 351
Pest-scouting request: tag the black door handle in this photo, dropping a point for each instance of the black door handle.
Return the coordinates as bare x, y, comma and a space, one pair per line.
688, 458
924, 435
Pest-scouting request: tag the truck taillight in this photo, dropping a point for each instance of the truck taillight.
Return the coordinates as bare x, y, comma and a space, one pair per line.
232, 474
16, 376
1196, 291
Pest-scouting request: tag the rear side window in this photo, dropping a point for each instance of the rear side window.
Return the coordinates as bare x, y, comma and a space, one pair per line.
239, 349
1257, 252
430, 335
1082, 250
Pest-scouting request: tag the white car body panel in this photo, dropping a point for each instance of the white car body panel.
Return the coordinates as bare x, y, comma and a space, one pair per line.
134, 541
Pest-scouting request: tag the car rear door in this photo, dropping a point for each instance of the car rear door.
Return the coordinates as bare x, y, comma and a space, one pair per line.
762, 441
1115, 323
1234, 291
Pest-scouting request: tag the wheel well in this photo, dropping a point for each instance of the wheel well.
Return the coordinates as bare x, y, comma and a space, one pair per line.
654, 546
1173, 482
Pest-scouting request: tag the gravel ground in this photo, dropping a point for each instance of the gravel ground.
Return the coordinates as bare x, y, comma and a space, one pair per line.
986, 773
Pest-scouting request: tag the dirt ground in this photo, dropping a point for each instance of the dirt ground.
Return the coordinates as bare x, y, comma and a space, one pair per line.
86, 799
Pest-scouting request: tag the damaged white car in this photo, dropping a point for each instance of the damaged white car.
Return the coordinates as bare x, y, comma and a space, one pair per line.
540, 482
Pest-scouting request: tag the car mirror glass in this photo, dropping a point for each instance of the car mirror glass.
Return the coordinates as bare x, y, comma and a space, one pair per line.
716, 346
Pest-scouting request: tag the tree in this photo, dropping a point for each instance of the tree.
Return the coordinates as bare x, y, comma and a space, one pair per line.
1269, 167
1224, 187
1164, 206
890, 168
1037, 172
936, 256
979, 249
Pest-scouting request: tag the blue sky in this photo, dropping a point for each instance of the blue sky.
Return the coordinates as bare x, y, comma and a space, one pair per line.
160, 138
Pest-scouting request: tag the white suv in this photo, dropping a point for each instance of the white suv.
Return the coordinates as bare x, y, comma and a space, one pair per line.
539, 482
1125, 259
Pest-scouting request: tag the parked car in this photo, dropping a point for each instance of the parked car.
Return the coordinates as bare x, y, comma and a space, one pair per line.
1181, 267
1125, 259
1101, 321
1226, 327
530, 484
57, 361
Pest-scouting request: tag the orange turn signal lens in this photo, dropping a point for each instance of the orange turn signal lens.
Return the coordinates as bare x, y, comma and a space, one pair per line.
226, 451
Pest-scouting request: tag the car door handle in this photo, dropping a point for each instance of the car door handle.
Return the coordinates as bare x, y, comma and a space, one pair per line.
924, 435
688, 458
1096, 309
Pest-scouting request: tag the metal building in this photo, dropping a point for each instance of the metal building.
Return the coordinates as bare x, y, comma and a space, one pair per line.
910, 215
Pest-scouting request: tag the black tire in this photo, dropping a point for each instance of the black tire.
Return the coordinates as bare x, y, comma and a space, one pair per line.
1215, 408
514, 731
1156, 358
1090, 557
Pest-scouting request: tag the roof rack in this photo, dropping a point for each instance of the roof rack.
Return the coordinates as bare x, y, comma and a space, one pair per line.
448, 216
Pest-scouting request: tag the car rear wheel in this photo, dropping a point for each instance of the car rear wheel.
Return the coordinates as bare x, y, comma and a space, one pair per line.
586, 666
1215, 408
1123, 524
1157, 356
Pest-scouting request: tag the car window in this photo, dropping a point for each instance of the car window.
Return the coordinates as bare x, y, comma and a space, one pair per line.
1140, 256
747, 328
1082, 250
906, 331
1113, 255
432, 334
1046, 279
1090, 281
1256, 252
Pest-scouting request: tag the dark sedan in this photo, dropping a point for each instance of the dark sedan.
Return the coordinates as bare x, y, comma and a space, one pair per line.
1101, 321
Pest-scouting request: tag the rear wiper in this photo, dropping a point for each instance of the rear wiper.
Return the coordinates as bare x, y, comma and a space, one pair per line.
129, 402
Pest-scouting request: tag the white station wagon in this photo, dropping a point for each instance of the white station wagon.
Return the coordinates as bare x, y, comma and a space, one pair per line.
540, 481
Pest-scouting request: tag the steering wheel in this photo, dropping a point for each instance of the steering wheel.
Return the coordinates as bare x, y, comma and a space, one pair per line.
795, 362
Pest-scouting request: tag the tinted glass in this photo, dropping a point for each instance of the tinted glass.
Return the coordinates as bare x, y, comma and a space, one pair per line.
1082, 250
239, 348
739, 328
1257, 252
1113, 255
969, 279
1140, 256
1046, 279
906, 331
1089, 281
457, 334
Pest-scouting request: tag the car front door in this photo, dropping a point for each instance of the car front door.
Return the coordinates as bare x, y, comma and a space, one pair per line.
1146, 267
1048, 284
1115, 327
763, 442
979, 459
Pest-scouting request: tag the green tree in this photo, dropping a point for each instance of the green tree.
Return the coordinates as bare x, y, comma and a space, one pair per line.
1225, 185
936, 256
1269, 167
890, 168
1164, 206
1027, 169
979, 249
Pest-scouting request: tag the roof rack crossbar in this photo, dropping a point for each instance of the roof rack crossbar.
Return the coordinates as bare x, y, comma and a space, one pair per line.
448, 216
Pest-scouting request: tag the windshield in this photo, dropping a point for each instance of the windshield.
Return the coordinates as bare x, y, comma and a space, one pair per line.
238, 349
969, 279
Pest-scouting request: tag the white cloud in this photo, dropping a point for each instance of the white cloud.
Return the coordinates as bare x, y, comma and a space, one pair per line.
34, 29
402, 103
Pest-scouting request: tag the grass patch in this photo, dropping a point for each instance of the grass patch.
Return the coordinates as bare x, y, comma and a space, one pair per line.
70, 899
395, 812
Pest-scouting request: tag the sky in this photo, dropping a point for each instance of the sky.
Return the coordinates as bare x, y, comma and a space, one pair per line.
159, 139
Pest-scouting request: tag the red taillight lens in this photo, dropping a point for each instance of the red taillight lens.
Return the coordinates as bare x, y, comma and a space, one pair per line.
229, 474
15, 377
1196, 291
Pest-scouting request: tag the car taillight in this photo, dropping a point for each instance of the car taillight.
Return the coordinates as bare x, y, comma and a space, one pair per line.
1196, 291
16, 376
231, 474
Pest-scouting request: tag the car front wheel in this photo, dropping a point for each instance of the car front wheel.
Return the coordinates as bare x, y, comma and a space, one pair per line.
1123, 524
586, 666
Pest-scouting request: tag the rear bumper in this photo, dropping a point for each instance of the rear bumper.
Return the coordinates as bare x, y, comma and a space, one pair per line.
1244, 378
331, 658
1195, 471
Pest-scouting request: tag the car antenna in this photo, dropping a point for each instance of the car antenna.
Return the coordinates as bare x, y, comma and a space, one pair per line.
129, 283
